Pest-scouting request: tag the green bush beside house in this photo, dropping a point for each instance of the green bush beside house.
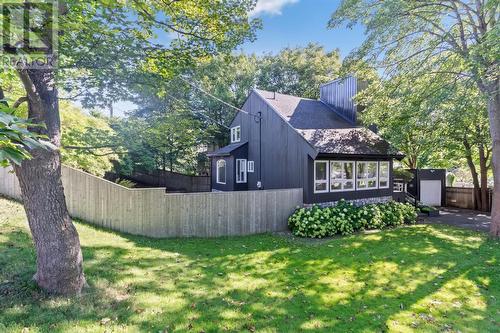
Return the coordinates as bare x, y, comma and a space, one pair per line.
346, 218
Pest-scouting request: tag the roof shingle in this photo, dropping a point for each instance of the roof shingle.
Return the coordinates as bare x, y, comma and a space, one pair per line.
323, 127
305, 113
348, 141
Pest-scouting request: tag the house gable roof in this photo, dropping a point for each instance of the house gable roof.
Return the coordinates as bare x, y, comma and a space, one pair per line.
349, 141
304, 113
324, 129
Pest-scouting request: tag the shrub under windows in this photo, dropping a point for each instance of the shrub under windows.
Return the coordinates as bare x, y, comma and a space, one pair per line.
346, 218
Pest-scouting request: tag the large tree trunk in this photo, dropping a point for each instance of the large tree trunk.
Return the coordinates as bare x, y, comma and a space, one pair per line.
59, 257
483, 170
494, 116
473, 172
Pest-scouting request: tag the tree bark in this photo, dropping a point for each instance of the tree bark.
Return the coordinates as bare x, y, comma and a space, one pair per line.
473, 172
494, 116
59, 257
483, 171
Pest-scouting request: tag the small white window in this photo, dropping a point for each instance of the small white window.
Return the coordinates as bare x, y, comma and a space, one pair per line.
251, 166
383, 175
341, 176
235, 134
221, 172
241, 171
366, 175
320, 176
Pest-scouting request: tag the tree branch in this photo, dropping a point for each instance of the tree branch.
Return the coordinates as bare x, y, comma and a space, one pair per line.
90, 147
20, 101
32, 95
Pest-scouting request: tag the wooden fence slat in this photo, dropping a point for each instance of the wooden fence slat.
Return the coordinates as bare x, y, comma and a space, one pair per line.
462, 197
151, 212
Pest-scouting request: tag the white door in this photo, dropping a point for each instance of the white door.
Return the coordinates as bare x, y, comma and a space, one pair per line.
241, 171
430, 192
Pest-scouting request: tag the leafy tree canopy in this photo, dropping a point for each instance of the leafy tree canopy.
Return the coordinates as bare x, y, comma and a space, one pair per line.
88, 142
118, 48
15, 138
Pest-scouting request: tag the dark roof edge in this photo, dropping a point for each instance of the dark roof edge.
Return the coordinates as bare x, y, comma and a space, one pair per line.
243, 105
337, 79
399, 157
236, 145
341, 115
218, 155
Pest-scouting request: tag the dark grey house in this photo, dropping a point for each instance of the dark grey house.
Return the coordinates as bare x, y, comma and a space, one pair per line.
284, 141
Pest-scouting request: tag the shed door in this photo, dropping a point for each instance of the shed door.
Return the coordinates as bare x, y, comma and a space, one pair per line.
430, 192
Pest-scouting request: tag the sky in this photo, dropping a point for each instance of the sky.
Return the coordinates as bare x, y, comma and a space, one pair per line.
291, 23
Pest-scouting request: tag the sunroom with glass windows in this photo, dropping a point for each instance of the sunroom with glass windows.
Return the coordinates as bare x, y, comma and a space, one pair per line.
333, 178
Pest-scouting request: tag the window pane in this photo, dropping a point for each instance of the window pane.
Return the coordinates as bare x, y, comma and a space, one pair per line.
384, 169
336, 170
336, 186
372, 183
320, 170
361, 184
371, 168
320, 186
361, 170
348, 185
348, 170
221, 171
235, 134
241, 169
383, 183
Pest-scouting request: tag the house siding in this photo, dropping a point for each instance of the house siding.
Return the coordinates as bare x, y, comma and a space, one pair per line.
229, 186
340, 93
311, 197
282, 158
284, 151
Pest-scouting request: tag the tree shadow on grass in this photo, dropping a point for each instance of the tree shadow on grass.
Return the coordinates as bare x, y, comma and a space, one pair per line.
423, 277
276, 285
23, 304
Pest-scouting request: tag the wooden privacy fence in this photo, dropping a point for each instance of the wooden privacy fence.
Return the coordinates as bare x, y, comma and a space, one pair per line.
153, 213
463, 197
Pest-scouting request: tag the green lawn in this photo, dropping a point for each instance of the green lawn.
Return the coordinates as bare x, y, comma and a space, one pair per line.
412, 279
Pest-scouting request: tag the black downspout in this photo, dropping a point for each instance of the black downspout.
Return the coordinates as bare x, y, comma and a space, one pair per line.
210, 173
260, 150
417, 187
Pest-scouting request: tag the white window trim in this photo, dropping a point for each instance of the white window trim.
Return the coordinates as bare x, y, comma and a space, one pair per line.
234, 130
327, 181
342, 181
241, 162
250, 166
217, 171
367, 179
388, 174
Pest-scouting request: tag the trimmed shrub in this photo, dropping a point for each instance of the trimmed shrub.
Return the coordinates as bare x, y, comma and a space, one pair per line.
346, 218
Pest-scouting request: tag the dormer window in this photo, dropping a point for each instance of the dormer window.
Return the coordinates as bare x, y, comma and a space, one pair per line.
235, 134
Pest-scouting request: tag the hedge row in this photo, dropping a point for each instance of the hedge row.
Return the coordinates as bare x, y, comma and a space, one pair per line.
346, 218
